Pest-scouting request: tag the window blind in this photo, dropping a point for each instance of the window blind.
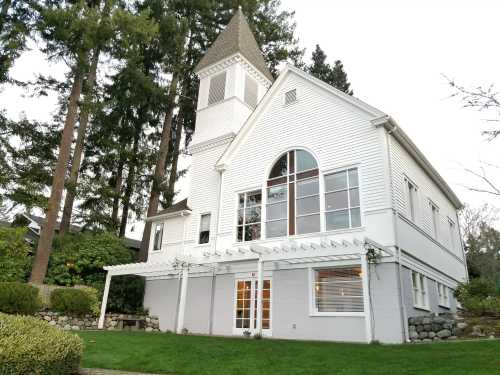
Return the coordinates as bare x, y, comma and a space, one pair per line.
217, 89
339, 290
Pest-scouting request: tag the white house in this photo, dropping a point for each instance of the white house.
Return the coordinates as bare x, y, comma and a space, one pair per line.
311, 214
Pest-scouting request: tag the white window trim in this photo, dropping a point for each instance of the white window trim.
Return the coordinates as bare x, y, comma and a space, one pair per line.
253, 279
435, 218
312, 294
422, 289
245, 192
209, 230
210, 84
323, 191
452, 231
445, 301
409, 199
154, 237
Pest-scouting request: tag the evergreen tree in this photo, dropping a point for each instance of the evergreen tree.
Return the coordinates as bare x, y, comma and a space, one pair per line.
335, 76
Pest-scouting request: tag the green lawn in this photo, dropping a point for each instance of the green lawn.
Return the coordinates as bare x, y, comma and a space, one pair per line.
189, 355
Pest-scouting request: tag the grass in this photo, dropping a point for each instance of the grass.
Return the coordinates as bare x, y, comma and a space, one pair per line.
189, 355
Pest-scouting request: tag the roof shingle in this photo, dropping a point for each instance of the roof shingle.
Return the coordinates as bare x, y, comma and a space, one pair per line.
236, 37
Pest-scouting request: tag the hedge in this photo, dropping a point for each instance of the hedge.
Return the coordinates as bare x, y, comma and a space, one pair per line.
18, 298
71, 301
32, 346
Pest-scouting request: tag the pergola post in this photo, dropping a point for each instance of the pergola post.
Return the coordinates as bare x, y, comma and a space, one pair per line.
260, 287
182, 299
104, 302
366, 296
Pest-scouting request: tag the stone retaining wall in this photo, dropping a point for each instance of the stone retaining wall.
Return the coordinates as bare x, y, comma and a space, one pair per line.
434, 328
89, 322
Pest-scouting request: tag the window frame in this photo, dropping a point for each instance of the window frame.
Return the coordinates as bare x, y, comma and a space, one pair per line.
289, 180
313, 312
421, 291
451, 232
162, 225
260, 222
347, 189
411, 199
443, 298
224, 72
434, 211
209, 214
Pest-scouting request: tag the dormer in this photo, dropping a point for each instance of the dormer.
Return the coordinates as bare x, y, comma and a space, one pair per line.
233, 79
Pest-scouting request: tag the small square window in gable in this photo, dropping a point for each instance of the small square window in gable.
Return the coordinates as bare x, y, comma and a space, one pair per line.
217, 89
290, 96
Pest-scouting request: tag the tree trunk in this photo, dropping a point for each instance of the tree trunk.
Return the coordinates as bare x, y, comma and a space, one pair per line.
116, 198
4, 12
130, 182
175, 159
159, 173
47, 232
79, 146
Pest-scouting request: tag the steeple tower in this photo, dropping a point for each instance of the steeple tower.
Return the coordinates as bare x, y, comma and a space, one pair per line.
233, 78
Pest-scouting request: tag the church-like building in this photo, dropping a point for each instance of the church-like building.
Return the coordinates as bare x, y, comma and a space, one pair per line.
311, 214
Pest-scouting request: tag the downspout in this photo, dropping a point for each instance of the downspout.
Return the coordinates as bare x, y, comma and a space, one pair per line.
214, 270
402, 308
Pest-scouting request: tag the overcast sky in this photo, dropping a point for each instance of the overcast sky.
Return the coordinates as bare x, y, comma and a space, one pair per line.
395, 56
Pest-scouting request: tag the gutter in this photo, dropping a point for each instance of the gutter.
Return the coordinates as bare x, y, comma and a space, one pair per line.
168, 215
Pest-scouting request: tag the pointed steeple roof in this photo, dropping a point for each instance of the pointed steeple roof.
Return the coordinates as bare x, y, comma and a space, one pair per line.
236, 37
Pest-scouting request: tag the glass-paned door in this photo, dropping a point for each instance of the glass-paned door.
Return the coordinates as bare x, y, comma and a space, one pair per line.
246, 306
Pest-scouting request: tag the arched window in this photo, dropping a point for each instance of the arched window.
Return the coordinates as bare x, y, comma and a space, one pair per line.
293, 195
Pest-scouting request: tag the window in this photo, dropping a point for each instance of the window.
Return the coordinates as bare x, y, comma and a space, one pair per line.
204, 228
293, 195
158, 238
451, 228
249, 207
435, 219
251, 91
342, 204
338, 290
217, 88
419, 284
411, 194
443, 295
290, 96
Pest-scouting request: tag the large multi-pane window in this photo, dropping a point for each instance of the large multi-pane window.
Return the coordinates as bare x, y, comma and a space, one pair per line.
293, 195
420, 296
342, 204
338, 290
249, 208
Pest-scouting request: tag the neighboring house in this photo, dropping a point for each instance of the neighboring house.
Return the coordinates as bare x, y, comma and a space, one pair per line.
34, 224
293, 183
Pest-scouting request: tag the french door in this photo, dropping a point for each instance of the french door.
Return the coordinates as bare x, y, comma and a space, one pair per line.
245, 318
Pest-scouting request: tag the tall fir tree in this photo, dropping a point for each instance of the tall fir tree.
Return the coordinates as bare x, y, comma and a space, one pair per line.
335, 76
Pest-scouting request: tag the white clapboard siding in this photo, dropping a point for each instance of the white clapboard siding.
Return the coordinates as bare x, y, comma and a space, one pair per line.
404, 165
338, 134
204, 191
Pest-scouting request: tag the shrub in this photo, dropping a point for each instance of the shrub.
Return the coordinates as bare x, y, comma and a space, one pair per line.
126, 294
18, 298
77, 259
15, 264
479, 297
32, 346
71, 301
93, 294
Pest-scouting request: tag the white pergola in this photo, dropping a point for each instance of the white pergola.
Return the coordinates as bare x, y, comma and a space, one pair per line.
289, 252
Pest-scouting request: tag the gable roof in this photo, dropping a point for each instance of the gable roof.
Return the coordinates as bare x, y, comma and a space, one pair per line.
379, 118
179, 206
236, 37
